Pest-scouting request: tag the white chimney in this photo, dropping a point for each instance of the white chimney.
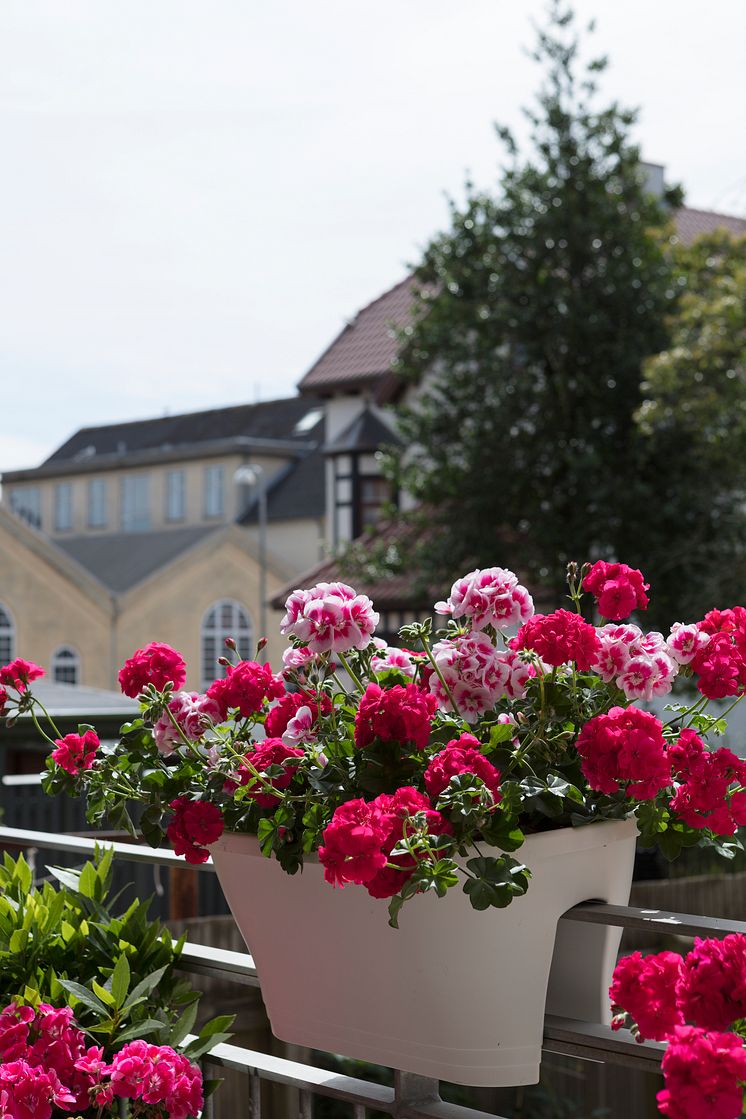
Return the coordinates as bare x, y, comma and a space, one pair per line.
653, 178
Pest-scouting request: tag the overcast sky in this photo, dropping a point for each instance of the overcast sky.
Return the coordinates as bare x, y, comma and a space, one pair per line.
195, 195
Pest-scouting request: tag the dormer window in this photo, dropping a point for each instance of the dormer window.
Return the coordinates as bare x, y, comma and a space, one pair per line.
361, 493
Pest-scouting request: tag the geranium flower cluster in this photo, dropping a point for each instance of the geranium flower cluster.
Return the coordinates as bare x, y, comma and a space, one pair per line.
504, 722
358, 843
47, 1066
330, 618
691, 1003
640, 664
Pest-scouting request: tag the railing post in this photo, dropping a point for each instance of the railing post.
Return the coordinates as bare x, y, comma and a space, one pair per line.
411, 1090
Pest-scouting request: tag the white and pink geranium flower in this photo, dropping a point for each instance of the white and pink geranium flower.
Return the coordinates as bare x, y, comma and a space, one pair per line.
489, 597
685, 641
638, 663
193, 714
330, 618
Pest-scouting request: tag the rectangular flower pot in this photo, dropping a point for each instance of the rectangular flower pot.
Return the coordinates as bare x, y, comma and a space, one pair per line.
453, 994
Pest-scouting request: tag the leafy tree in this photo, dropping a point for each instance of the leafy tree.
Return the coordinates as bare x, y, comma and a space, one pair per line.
694, 415
535, 312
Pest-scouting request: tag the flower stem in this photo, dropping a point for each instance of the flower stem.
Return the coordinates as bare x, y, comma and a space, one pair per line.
355, 679
439, 674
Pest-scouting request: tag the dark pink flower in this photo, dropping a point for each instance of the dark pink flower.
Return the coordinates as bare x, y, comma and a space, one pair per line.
195, 825
712, 987
19, 674
76, 752
400, 809
156, 664
645, 988
721, 667
625, 749
399, 714
353, 840
461, 755
707, 781
246, 686
704, 1075
617, 588
559, 638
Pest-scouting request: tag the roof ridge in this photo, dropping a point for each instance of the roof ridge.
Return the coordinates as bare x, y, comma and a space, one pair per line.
193, 412
713, 213
388, 291
349, 324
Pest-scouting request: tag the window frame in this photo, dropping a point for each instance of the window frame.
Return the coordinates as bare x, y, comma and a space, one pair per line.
30, 513
65, 657
129, 522
62, 510
212, 489
175, 496
216, 631
98, 486
7, 633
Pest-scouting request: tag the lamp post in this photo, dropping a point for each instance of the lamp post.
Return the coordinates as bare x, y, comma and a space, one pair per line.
252, 474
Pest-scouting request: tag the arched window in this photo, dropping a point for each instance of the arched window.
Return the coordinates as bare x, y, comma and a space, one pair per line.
7, 636
226, 618
66, 665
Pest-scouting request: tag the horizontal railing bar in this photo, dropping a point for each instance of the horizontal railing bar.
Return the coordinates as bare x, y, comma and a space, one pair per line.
218, 963
296, 1075
22, 837
349, 1089
600, 1043
629, 917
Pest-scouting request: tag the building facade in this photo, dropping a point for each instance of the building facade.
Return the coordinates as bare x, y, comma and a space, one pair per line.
156, 530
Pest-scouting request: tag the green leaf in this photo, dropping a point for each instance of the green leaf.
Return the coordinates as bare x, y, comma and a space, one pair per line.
82, 994
89, 883
395, 905
23, 874
105, 996
145, 986
139, 1030
120, 981
184, 1026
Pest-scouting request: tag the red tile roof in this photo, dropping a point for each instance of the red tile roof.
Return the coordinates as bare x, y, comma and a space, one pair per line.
693, 223
361, 356
363, 353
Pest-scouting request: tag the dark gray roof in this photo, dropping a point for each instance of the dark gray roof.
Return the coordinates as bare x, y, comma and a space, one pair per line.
367, 432
119, 560
271, 419
299, 490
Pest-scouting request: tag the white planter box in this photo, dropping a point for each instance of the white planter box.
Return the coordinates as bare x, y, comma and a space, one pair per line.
452, 994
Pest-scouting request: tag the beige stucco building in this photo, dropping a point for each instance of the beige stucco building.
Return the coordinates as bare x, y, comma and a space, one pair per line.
154, 530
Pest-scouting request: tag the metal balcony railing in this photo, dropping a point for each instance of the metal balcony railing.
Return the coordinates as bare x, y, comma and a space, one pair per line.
411, 1097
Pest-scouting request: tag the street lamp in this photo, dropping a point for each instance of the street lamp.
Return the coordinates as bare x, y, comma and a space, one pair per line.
252, 474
